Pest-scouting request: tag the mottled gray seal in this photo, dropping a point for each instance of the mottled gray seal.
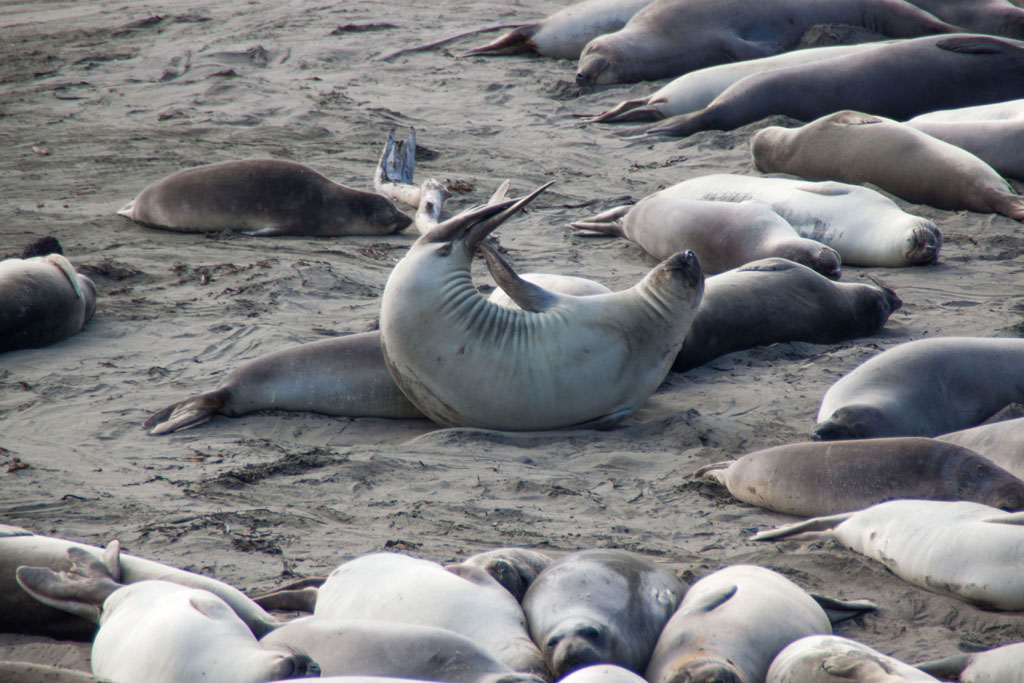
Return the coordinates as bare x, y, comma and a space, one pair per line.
722, 235
671, 37
731, 624
997, 143
824, 478
561, 361
775, 300
158, 631
600, 607
265, 197
859, 148
1001, 442
924, 388
833, 659
42, 300
865, 227
345, 377
1001, 664
935, 72
967, 550
513, 568
19, 613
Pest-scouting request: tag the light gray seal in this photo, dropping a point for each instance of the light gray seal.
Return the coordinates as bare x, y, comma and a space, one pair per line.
265, 197
936, 72
775, 300
998, 665
859, 148
671, 37
42, 300
924, 388
602, 673
833, 659
722, 235
345, 377
600, 607
824, 478
561, 361
1001, 442
998, 143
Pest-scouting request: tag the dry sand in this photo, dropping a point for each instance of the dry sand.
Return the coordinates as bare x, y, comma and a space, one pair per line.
99, 99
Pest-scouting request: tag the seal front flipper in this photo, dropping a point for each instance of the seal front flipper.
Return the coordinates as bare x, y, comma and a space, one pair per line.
525, 294
841, 610
191, 412
298, 599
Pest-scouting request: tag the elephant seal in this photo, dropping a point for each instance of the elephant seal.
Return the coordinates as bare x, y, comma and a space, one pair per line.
833, 659
602, 673
996, 111
1004, 663
563, 284
775, 300
671, 37
731, 624
463, 599
993, 17
565, 33
858, 148
825, 478
997, 143
42, 300
722, 235
863, 226
924, 388
514, 568
1001, 442
600, 607
561, 361
966, 550
19, 613
265, 197
27, 672
345, 376
158, 631
936, 72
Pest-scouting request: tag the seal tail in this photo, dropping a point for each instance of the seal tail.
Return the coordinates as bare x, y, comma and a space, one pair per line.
1009, 204
608, 222
516, 42
629, 110
127, 210
393, 177
191, 412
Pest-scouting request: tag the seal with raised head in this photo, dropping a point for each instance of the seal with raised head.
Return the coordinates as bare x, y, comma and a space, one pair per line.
936, 72
600, 607
966, 550
159, 631
865, 227
265, 197
733, 622
722, 235
42, 300
834, 659
859, 148
671, 37
513, 568
925, 387
1001, 442
824, 478
775, 300
1004, 663
561, 361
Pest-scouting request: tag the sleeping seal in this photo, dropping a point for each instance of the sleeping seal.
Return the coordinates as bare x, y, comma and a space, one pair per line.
999, 664
924, 388
42, 300
1001, 442
513, 568
265, 197
833, 659
997, 143
858, 148
994, 17
561, 361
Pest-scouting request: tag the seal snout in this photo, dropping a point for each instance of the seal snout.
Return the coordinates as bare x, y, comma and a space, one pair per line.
685, 264
927, 241
592, 66
707, 671
579, 646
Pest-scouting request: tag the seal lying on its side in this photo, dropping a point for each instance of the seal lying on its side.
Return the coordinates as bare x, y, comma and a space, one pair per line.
858, 148
265, 197
559, 362
924, 388
824, 478
967, 550
1004, 663
775, 300
833, 659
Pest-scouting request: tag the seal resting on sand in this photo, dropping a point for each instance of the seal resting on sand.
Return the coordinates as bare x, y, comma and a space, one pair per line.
42, 300
834, 659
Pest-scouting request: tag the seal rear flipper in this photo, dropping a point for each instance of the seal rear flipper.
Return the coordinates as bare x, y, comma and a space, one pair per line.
629, 110
1008, 204
191, 412
298, 599
80, 591
841, 610
712, 472
814, 524
1009, 518
608, 222
393, 177
128, 210
516, 42
525, 294
950, 667
608, 421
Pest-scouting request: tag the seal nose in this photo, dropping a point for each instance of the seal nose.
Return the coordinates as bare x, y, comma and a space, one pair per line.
591, 67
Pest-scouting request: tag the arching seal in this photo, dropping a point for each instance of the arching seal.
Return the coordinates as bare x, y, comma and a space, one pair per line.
513, 568
406, 589
931, 73
731, 624
994, 17
602, 673
997, 143
265, 197
1004, 663
671, 37
967, 550
858, 148
42, 300
1001, 442
924, 388
722, 235
775, 300
19, 613
600, 607
159, 631
863, 226
832, 659
345, 376
824, 478
562, 361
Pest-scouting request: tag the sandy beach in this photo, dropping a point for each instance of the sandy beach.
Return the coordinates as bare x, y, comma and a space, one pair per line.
99, 99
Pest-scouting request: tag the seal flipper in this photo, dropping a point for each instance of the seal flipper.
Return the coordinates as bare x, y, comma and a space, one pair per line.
128, 210
608, 222
950, 667
191, 412
841, 610
814, 524
629, 110
393, 177
80, 591
516, 42
713, 600
1008, 518
298, 599
711, 472
526, 295
1008, 204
